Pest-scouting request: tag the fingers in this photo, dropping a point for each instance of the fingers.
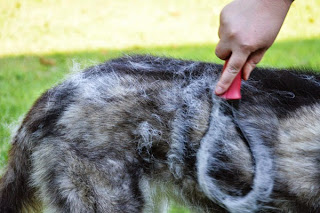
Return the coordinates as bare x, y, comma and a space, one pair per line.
235, 64
222, 51
251, 63
238, 61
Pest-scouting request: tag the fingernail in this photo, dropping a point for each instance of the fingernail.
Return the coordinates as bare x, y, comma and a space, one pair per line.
218, 90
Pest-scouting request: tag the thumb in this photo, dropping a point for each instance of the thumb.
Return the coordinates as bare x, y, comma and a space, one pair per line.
235, 64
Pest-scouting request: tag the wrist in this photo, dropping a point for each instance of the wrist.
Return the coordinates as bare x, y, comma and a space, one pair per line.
279, 8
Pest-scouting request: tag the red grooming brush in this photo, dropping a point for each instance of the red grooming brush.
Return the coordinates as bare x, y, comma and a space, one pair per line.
233, 93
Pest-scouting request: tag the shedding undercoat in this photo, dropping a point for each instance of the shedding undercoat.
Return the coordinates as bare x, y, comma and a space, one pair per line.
136, 132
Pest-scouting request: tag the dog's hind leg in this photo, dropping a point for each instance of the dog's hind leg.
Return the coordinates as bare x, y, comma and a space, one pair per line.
70, 181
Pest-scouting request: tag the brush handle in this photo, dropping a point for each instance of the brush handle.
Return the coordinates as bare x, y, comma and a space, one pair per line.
233, 93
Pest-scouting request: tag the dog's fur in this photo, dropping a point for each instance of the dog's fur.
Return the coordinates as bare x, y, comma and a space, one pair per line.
129, 134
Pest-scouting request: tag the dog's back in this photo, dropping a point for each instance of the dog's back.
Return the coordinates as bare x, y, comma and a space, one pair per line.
130, 133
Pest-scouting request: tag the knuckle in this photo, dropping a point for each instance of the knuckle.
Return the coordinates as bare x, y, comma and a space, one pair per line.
253, 63
256, 60
234, 68
220, 55
233, 34
247, 47
223, 84
233, 71
222, 51
218, 52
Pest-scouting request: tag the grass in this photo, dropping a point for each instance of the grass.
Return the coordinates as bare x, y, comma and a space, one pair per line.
40, 39
46, 26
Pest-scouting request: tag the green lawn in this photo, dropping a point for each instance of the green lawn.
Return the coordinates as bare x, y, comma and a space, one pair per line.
41, 39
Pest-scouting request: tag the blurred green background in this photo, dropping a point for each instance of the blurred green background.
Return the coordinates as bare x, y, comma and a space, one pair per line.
41, 39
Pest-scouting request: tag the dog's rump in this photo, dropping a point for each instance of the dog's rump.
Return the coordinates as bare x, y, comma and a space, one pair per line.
145, 118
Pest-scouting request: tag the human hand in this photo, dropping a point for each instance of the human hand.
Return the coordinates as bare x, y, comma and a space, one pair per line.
247, 29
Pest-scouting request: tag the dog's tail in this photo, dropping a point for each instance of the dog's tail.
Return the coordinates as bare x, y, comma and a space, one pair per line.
16, 194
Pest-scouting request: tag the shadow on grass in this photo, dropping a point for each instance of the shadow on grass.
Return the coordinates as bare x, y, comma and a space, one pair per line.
23, 78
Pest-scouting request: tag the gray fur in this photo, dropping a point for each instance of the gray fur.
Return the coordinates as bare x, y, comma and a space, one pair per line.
217, 134
133, 133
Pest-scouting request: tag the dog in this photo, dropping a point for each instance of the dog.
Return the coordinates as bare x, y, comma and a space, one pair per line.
134, 133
